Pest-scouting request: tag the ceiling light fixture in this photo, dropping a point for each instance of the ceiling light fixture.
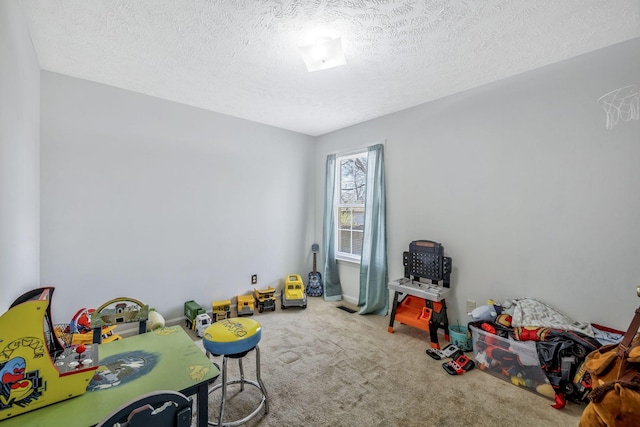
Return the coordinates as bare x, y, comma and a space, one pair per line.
323, 54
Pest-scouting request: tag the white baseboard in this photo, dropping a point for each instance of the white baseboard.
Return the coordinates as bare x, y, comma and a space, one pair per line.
181, 319
350, 300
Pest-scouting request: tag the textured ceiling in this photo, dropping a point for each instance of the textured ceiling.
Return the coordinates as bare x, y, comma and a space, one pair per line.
240, 57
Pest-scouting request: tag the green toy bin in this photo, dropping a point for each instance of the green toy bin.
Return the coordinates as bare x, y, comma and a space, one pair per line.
459, 336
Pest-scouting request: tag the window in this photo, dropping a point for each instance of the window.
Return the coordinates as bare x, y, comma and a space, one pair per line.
351, 185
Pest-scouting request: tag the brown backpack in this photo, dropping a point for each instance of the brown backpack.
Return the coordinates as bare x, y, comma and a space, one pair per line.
615, 378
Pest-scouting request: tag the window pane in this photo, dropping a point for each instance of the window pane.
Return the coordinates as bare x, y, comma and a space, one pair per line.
351, 190
344, 241
345, 217
358, 218
353, 175
357, 242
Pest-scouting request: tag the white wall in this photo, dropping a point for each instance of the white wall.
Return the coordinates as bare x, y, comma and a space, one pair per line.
522, 183
19, 157
165, 203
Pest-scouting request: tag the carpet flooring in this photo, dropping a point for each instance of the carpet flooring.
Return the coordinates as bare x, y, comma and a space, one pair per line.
323, 366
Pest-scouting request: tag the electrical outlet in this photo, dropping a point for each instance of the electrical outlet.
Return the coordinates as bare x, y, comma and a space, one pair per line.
471, 305
254, 279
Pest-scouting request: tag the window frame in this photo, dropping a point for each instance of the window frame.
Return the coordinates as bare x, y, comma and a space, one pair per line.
346, 256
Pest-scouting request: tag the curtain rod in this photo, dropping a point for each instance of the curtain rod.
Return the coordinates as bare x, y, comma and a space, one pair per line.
351, 151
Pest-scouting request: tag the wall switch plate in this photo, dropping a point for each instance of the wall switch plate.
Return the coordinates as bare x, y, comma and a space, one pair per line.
471, 305
254, 279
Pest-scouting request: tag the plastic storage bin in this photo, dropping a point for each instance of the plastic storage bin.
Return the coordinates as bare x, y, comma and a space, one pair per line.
513, 361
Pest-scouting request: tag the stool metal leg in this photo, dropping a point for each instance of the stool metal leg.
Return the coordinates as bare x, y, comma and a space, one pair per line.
262, 387
224, 390
241, 374
242, 381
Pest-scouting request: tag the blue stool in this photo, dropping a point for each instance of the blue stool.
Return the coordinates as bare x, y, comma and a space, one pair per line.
234, 338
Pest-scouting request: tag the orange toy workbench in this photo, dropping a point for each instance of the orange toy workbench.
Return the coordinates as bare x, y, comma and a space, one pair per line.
420, 309
425, 285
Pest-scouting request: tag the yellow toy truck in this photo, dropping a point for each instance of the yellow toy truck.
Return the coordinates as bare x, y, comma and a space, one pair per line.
265, 299
221, 310
293, 294
245, 305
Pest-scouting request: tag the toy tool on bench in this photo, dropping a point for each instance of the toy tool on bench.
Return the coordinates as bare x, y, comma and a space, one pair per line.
425, 284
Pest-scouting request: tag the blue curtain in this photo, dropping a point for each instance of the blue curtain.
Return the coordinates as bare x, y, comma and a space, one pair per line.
374, 277
332, 286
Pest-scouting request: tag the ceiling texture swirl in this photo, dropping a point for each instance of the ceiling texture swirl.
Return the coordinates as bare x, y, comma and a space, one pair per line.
241, 58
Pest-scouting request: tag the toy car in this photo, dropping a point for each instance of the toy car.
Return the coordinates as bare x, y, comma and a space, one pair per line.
108, 335
293, 294
197, 318
265, 299
221, 310
450, 350
245, 305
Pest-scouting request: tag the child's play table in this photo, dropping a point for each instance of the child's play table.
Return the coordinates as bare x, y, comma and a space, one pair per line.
164, 359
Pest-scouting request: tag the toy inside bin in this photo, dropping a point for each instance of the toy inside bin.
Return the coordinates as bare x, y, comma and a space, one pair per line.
458, 336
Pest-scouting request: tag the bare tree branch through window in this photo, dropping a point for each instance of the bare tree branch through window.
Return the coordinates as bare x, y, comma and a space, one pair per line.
352, 185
